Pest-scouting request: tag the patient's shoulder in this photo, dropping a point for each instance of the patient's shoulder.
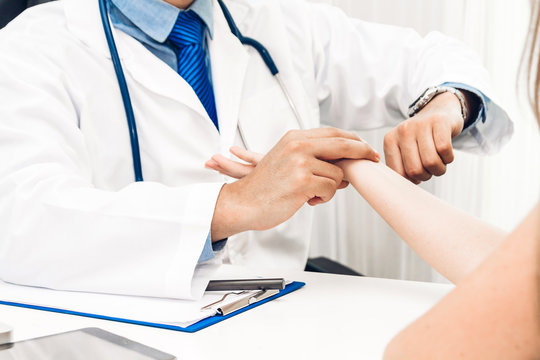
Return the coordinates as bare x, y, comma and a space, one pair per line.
493, 313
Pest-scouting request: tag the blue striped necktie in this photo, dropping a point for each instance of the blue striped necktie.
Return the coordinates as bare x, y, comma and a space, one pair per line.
188, 34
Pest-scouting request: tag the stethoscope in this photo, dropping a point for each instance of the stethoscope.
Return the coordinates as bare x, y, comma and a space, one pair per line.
134, 139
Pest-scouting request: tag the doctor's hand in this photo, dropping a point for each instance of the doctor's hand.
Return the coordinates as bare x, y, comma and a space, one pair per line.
272, 188
421, 146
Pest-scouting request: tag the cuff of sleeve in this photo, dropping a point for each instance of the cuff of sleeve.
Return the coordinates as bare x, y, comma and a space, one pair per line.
491, 129
198, 208
207, 252
211, 248
480, 114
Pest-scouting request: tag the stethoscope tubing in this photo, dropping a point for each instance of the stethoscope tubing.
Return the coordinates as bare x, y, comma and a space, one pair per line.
126, 99
263, 52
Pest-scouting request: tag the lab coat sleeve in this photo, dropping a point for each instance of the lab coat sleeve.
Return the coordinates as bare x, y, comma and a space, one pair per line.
57, 230
367, 75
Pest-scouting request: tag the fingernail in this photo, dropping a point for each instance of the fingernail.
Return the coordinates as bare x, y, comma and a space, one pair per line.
211, 163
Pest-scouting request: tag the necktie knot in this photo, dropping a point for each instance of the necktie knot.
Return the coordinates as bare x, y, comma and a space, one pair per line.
188, 30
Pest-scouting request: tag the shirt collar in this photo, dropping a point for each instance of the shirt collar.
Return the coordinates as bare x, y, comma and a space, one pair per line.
156, 18
203, 8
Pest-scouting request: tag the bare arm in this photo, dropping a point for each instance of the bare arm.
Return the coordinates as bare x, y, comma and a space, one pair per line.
451, 241
492, 314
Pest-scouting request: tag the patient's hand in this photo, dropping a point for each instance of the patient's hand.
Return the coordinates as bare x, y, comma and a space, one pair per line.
233, 168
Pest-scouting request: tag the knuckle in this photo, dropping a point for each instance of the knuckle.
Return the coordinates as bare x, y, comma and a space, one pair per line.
444, 148
439, 171
339, 174
329, 190
344, 144
301, 179
433, 162
331, 193
333, 132
367, 149
292, 134
414, 171
405, 129
389, 139
425, 176
295, 146
414, 180
300, 162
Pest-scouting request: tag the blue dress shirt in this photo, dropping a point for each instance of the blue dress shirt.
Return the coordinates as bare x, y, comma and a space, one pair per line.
151, 22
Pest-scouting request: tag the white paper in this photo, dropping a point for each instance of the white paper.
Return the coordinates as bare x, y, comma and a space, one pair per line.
146, 309
154, 310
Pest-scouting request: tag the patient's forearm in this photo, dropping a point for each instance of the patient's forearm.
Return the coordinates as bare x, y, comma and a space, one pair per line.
451, 241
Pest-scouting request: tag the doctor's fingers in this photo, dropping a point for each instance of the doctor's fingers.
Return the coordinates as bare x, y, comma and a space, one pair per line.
340, 148
412, 163
324, 169
431, 161
320, 189
326, 132
392, 153
442, 136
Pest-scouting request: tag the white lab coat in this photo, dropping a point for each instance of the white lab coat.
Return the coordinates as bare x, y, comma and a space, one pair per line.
71, 216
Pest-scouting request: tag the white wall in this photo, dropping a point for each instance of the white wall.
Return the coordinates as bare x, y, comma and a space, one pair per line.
500, 189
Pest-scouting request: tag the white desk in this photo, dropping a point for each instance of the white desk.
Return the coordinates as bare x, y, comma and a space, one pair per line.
332, 317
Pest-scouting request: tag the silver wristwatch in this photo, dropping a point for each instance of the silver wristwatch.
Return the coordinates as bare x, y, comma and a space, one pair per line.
431, 92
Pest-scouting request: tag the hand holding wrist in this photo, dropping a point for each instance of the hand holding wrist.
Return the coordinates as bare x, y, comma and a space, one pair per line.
298, 169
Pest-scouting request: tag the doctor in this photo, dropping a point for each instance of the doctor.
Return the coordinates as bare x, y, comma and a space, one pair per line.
71, 216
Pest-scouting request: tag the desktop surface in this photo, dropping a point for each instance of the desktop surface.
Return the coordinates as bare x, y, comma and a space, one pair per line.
333, 316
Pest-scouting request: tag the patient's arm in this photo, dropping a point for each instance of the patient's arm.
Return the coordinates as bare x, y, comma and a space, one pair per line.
492, 314
451, 241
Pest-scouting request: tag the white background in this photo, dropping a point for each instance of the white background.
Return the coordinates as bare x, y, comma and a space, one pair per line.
500, 189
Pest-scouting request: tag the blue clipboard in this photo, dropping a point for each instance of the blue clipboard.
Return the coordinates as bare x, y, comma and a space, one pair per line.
190, 329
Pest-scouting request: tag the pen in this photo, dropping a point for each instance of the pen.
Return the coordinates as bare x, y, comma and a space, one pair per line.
246, 284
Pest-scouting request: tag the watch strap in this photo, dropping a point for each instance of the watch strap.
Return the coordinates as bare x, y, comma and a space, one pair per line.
431, 93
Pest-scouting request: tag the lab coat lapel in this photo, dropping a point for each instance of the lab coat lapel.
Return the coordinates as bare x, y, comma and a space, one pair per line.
146, 69
229, 60
154, 74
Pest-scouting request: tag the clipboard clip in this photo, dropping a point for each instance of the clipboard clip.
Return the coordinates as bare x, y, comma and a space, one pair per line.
245, 298
246, 284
